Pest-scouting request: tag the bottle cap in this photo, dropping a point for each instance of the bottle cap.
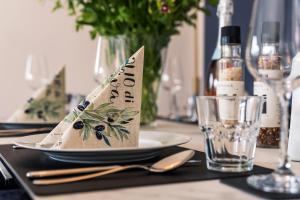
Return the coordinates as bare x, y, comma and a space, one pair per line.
230, 35
270, 32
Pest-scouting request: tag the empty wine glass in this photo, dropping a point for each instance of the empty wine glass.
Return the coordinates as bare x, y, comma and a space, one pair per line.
270, 49
172, 82
110, 54
296, 26
36, 71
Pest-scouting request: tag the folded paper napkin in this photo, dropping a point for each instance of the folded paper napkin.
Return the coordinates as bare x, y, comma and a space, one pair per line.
109, 116
46, 105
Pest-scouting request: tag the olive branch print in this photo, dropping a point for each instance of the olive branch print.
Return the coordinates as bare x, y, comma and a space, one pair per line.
43, 108
105, 121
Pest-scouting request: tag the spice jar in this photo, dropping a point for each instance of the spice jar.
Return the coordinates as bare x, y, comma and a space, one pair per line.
230, 66
230, 74
269, 66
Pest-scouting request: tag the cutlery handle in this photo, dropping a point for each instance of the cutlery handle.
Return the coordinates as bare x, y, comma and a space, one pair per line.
5, 173
61, 172
83, 177
81, 170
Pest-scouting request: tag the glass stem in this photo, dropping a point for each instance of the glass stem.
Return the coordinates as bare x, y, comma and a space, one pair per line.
284, 165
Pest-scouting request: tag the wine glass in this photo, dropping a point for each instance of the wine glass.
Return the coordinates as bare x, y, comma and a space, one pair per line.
110, 55
36, 71
172, 82
271, 32
296, 26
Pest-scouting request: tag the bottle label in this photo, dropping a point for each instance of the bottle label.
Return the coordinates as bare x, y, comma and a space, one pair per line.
271, 108
230, 88
228, 107
271, 74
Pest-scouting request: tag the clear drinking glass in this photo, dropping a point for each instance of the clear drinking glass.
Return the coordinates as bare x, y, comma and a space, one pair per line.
110, 55
230, 126
36, 71
281, 40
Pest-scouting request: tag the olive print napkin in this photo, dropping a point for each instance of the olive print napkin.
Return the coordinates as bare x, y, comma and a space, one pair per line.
109, 116
46, 105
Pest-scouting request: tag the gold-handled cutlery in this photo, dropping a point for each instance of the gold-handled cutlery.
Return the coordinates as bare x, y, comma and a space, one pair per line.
80, 170
62, 172
166, 164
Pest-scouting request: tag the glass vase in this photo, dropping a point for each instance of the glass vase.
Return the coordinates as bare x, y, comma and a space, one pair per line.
110, 54
154, 58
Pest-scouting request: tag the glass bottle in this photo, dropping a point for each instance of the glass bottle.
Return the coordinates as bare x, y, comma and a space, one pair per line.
224, 13
230, 73
269, 66
230, 66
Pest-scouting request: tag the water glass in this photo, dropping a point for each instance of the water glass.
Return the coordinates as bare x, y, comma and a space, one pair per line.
230, 127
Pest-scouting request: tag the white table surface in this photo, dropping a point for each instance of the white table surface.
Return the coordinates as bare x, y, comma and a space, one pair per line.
178, 191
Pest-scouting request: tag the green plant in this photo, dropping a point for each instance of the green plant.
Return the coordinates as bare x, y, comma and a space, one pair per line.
134, 17
143, 22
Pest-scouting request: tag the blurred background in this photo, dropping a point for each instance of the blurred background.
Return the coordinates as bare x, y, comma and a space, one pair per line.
30, 27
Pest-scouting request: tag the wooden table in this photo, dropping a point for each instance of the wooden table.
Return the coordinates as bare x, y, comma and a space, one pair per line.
179, 191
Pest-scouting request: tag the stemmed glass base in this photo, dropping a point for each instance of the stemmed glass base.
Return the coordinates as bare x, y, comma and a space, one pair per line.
282, 180
285, 182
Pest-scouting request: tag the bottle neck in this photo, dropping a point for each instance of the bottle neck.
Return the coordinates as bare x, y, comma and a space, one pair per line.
270, 49
231, 51
224, 13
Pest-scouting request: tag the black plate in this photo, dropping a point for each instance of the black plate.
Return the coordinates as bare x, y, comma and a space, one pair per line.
8, 125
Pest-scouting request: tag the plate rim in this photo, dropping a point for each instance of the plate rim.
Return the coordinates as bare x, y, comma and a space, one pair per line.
98, 161
185, 139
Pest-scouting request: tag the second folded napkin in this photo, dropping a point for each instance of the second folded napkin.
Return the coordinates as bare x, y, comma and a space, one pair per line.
109, 116
47, 105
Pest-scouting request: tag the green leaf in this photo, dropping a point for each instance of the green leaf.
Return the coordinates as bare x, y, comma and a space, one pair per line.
86, 132
124, 131
108, 131
96, 116
57, 5
115, 132
118, 126
113, 110
90, 121
101, 106
106, 140
120, 134
131, 113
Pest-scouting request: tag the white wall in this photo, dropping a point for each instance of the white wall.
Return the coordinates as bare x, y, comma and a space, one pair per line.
31, 27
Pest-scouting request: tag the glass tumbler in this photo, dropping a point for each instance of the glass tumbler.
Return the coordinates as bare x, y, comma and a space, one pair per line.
230, 126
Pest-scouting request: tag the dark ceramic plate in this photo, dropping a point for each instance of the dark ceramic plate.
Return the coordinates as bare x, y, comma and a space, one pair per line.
151, 144
8, 125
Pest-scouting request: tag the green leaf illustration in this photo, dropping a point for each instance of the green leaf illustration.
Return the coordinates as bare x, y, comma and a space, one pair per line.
44, 108
111, 120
